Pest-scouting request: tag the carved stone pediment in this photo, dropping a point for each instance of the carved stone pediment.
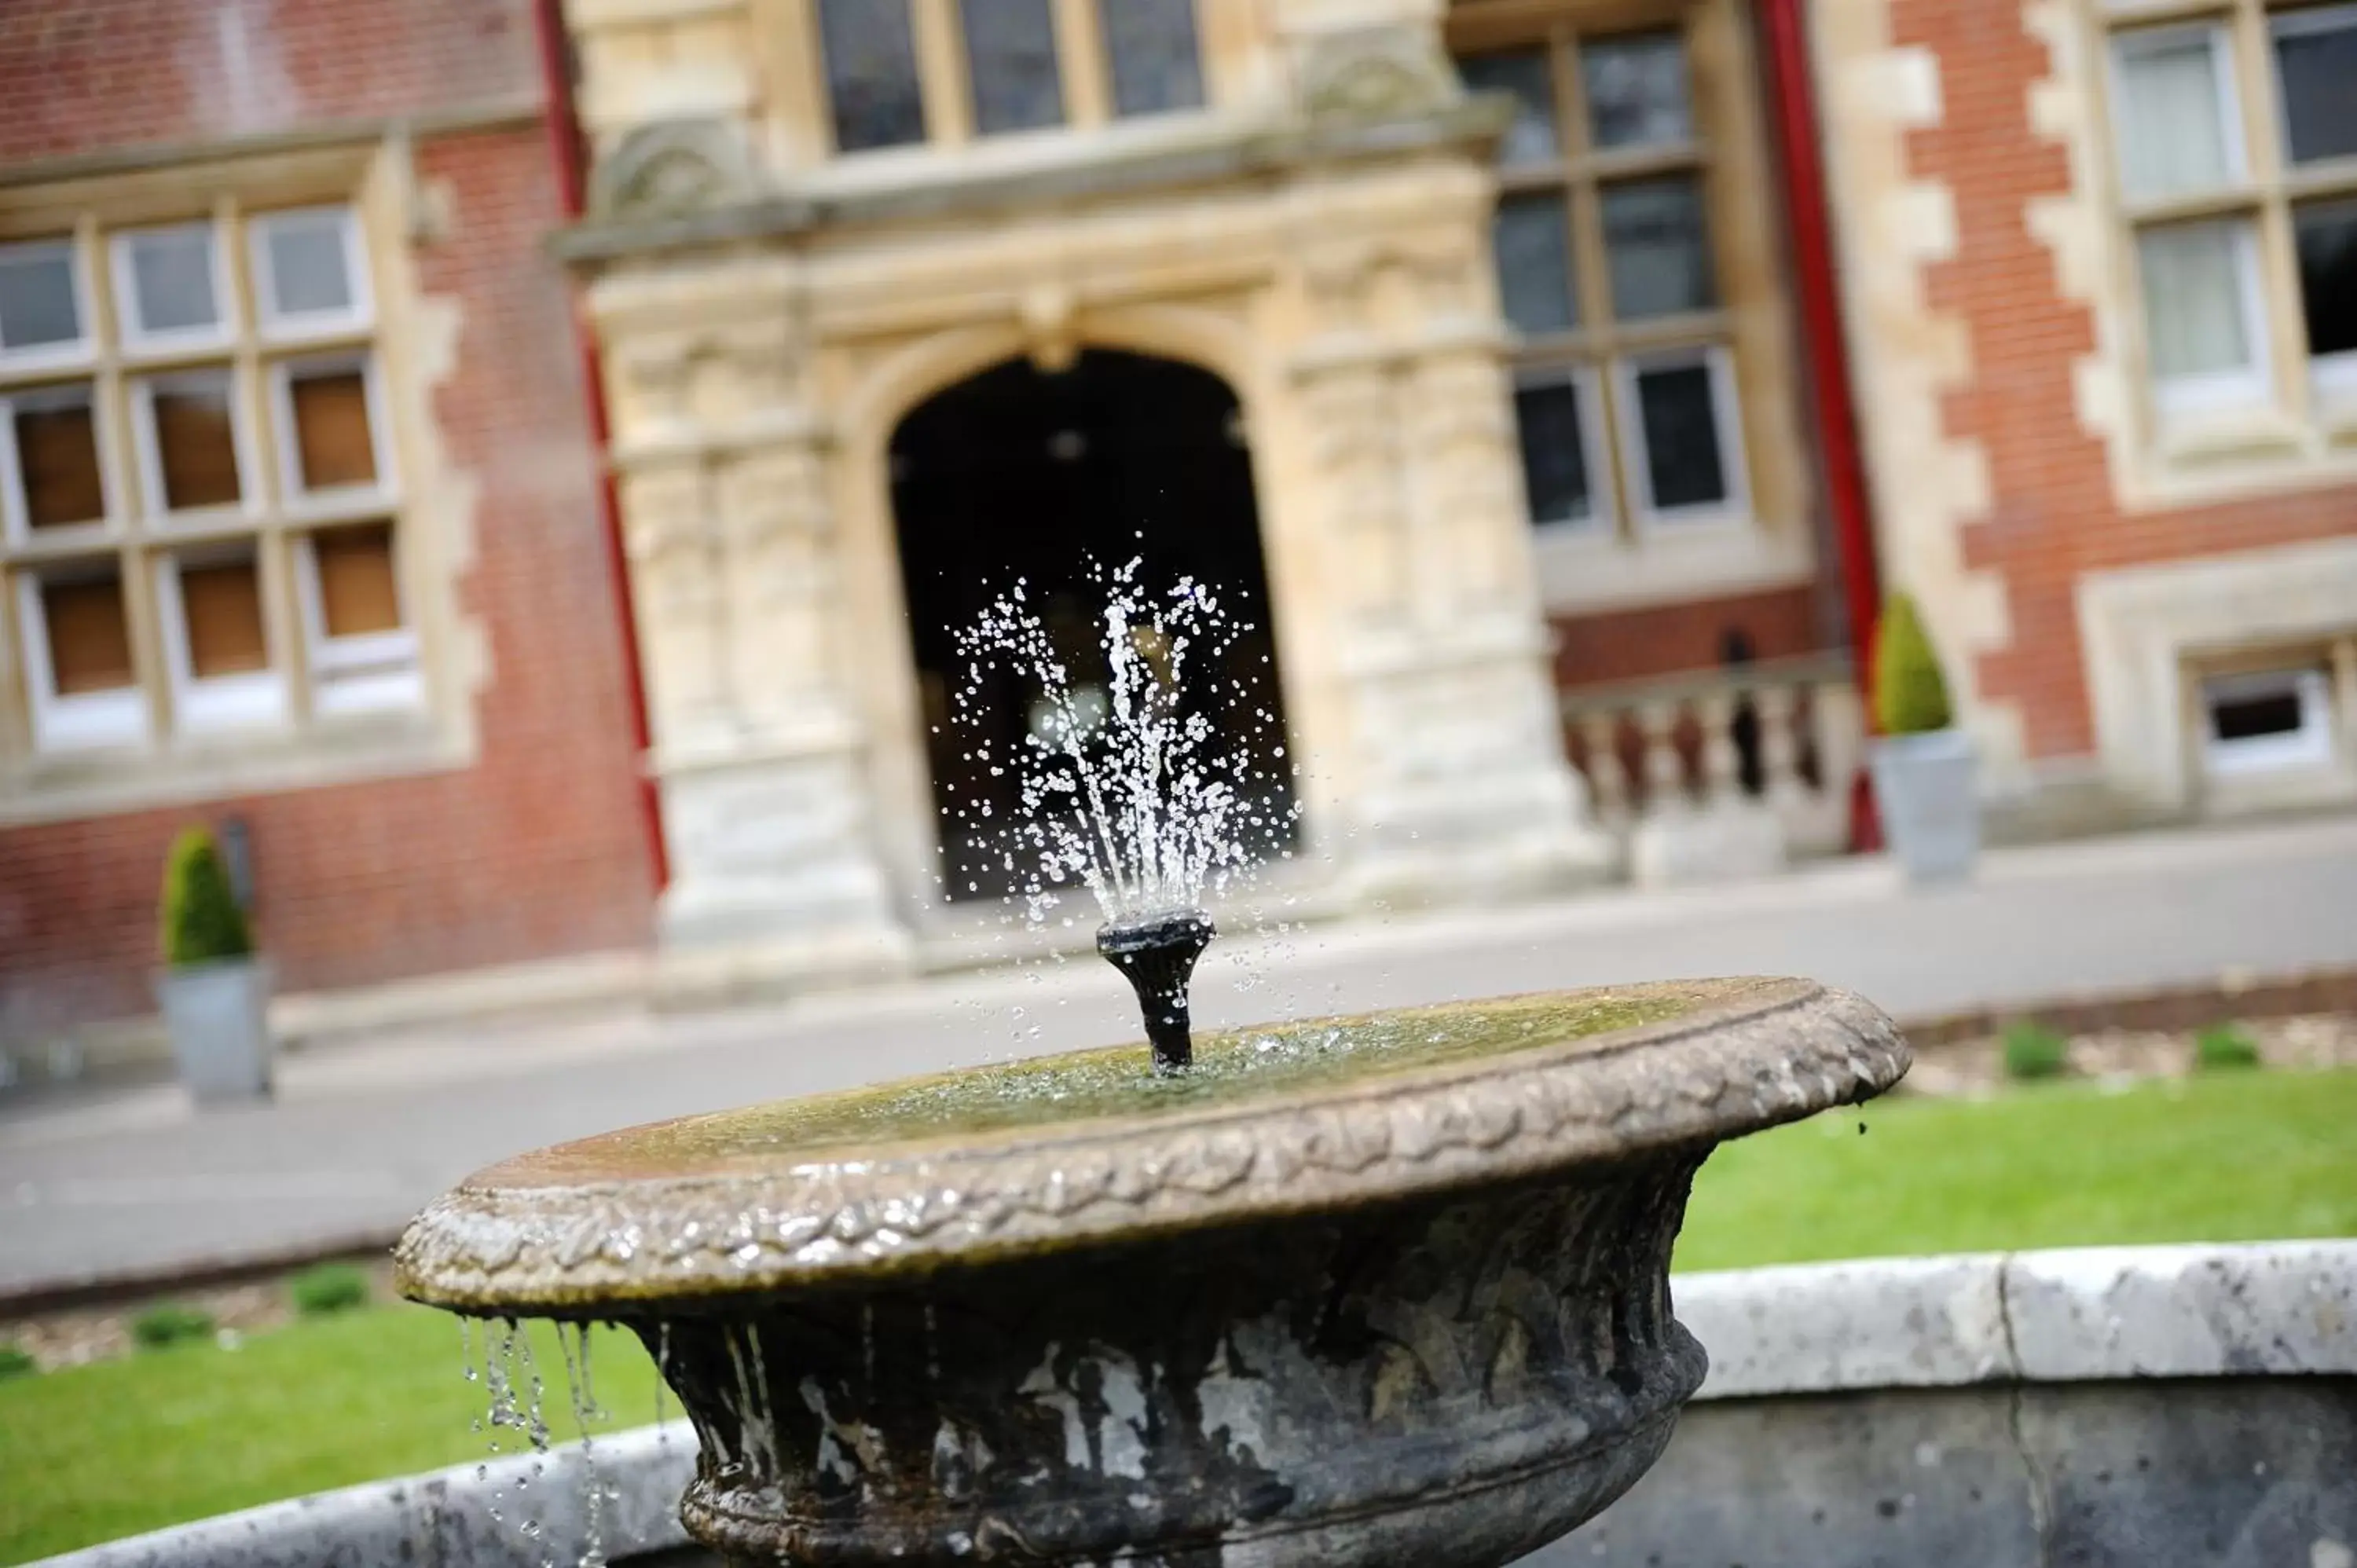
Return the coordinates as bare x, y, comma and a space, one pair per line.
1375, 74
673, 167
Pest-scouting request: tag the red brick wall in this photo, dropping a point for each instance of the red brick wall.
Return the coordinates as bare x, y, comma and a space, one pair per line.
85, 75
1664, 639
2053, 517
537, 849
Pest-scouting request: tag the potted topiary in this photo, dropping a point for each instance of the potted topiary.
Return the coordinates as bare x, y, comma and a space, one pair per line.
1923, 766
214, 990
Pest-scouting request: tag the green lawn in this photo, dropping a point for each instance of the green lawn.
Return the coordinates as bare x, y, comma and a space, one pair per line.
127, 1446
2228, 1157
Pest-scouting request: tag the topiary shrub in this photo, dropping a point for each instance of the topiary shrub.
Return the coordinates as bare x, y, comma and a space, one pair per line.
201, 921
171, 1323
16, 1362
1911, 695
328, 1288
2034, 1051
2224, 1048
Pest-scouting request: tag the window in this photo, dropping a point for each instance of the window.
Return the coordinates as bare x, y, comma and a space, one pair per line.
1150, 46
189, 441
1682, 465
900, 73
1010, 50
1554, 414
871, 73
306, 270
216, 641
2326, 234
48, 457
2272, 720
167, 287
2215, 192
42, 312
201, 515
328, 428
2316, 61
83, 684
2202, 317
360, 644
1608, 270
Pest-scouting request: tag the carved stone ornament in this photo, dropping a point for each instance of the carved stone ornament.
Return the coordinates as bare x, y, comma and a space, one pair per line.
670, 169
1382, 1291
1376, 74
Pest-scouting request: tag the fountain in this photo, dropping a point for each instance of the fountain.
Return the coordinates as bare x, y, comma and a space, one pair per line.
1374, 1291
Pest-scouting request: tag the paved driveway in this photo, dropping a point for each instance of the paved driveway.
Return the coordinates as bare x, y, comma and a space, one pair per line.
362, 1134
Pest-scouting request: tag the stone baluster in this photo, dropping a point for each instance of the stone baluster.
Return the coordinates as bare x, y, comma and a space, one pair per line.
1607, 780
1838, 721
1840, 727
1665, 784
1722, 764
1786, 792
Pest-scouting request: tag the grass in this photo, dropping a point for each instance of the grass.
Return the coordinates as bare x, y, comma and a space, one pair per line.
161, 1436
2229, 1157
115, 1447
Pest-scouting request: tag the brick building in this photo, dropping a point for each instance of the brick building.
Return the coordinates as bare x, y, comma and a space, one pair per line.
1563, 431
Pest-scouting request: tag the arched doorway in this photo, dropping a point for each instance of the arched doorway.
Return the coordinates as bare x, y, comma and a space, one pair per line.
1019, 473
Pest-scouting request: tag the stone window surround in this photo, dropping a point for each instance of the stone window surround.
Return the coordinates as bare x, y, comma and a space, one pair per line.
2298, 436
371, 177
1624, 558
2150, 633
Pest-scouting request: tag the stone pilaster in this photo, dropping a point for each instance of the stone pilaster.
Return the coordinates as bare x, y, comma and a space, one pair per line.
1458, 784
759, 744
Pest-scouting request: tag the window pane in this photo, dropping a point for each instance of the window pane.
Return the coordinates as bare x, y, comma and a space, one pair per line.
871, 73
172, 279
90, 637
2172, 126
196, 443
2316, 53
1530, 139
356, 591
37, 297
1679, 420
220, 609
1554, 452
1155, 67
2193, 299
309, 274
1010, 52
2327, 232
332, 442
56, 460
1659, 248
1637, 90
1534, 262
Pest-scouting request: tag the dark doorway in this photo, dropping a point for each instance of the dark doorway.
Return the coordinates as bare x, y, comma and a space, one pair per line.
1025, 474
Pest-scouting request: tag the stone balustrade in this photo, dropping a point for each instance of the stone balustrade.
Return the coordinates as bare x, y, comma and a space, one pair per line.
1721, 772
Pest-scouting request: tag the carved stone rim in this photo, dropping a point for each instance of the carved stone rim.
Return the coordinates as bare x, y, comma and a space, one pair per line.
1753, 1053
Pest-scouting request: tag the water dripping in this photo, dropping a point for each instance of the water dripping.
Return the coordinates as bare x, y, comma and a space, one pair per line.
585, 1410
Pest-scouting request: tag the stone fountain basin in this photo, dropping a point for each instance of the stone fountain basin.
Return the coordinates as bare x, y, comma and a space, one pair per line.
1378, 1291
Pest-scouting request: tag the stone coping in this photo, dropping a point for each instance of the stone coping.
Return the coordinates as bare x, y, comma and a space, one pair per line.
2266, 1309
2074, 1315
468, 1516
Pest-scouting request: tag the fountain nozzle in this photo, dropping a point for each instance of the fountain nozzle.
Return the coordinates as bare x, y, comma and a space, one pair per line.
1157, 954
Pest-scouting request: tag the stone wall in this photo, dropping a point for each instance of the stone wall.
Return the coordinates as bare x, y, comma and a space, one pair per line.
1323, 248
2115, 1408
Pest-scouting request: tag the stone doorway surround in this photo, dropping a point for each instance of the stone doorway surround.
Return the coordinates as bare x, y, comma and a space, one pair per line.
1333, 268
